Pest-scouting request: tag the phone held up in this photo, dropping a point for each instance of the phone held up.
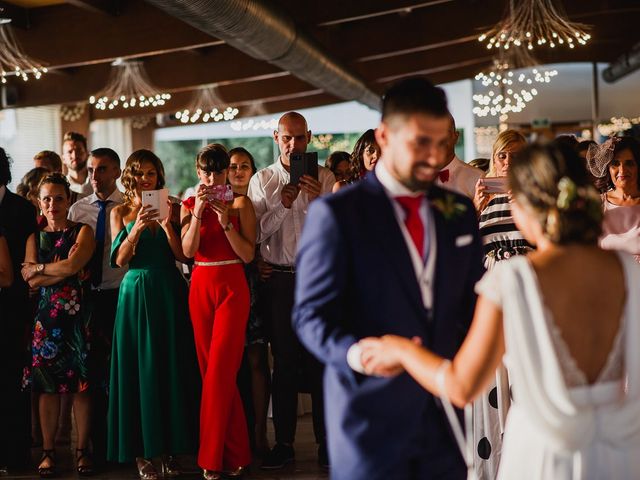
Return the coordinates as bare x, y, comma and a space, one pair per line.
303, 164
495, 184
222, 193
157, 199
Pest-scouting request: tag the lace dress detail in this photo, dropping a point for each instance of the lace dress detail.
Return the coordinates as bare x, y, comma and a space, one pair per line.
613, 369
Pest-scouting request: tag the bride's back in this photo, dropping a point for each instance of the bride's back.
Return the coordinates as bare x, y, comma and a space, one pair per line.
584, 291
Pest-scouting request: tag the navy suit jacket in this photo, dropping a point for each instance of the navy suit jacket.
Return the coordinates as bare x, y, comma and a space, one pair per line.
355, 279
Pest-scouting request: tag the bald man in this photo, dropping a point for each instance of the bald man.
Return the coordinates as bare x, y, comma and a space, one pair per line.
281, 209
457, 175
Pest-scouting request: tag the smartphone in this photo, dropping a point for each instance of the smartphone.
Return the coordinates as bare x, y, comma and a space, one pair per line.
303, 164
158, 201
222, 193
495, 184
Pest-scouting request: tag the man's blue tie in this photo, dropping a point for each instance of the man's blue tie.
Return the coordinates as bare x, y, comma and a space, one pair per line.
101, 228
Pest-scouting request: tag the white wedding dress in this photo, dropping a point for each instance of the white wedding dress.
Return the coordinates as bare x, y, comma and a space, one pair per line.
559, 426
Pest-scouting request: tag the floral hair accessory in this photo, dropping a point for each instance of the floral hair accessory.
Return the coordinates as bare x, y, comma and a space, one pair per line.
599, 156
571, 196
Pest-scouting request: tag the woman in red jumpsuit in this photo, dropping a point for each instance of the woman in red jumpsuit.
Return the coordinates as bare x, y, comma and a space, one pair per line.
219, 232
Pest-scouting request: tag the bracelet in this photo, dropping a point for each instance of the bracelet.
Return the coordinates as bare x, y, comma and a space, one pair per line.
195, 216
134, 244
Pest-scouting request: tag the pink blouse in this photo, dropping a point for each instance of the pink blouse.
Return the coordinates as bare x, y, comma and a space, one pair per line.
621, 228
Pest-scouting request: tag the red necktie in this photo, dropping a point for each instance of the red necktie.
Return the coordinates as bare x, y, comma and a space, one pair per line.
443, 175
412, 220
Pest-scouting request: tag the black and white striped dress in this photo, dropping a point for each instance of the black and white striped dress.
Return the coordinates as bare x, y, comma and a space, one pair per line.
500, 236
501, 240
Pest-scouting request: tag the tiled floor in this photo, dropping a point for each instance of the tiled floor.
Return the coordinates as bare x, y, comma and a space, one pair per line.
305, 467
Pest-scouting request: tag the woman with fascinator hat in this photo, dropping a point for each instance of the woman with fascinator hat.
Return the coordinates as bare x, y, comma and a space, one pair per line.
568, 327
616, 166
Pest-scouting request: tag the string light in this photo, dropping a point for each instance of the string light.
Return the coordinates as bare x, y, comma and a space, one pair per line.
206, 107
267, 125
128, 87
535, 23
509, 90
13, 61
617, 125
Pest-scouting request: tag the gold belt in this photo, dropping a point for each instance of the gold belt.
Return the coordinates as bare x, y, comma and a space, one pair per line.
217, 264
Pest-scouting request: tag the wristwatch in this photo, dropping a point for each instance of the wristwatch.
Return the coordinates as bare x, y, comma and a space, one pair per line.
228, 227
40, 267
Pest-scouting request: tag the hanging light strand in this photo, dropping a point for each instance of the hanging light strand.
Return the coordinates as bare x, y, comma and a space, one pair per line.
509, 89
207, 107
129, 87
13, 61
535, 23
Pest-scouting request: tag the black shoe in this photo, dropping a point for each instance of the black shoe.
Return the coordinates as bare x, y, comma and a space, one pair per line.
323, 456
278, 457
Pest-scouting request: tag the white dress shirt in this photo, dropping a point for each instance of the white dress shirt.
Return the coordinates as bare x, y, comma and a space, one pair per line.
424, 268
462, 177
279, 228
82, 189
86, 211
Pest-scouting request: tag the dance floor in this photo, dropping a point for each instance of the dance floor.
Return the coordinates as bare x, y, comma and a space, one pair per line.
304, 468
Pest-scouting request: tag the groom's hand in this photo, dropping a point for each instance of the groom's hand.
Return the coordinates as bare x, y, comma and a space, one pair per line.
378, 358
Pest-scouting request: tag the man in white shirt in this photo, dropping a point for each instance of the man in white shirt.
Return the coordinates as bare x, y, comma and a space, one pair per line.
281, 209
103, 169
74, 157
457, 175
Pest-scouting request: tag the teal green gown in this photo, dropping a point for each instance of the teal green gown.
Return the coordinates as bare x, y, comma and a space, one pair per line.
155, 383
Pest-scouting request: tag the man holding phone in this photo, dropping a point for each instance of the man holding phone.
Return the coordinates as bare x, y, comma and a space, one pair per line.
281, 208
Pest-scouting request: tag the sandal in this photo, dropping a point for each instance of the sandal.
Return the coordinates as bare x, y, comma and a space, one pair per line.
50, 471
84, 470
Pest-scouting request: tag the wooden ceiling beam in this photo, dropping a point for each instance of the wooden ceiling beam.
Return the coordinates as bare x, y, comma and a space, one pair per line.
103, 7
19, 16
64, 35
172, 72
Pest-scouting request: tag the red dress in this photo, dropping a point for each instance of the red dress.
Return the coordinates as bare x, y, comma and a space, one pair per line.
219, 307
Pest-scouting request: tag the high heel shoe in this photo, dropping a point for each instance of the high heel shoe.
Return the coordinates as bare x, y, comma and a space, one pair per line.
49, 471
85, 470
211, 475
170, 467
236, 473
146, 470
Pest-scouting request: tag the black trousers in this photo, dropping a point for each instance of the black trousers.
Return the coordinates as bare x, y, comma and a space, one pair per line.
291, 362
103, 313
15, 414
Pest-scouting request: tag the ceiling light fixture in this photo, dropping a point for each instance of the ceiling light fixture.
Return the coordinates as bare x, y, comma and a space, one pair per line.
206, 106
509, 86
13, 61
534, 23
129, 87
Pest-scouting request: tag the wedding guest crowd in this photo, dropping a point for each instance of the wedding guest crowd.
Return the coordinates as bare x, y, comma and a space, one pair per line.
396, 275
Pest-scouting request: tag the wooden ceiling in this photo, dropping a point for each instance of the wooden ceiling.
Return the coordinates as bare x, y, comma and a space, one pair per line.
378, 40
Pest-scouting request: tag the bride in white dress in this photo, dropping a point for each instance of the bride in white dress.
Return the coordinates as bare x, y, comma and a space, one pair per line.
568, 318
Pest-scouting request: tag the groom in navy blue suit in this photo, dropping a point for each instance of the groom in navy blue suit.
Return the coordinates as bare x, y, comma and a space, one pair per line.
391, 254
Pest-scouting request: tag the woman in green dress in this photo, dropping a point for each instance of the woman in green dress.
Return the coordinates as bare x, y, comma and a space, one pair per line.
154, 385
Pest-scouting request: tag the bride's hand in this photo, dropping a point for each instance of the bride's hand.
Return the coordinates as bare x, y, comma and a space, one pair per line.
381, 356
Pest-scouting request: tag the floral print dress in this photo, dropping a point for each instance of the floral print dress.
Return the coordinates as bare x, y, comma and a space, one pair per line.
60, 339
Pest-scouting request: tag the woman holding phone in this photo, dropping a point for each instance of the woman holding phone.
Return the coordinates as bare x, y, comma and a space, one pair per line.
219, 232
499, 233
502, 240
153, 388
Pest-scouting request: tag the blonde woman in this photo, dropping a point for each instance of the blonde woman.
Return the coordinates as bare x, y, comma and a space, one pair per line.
500, 235
502, 240
153, 389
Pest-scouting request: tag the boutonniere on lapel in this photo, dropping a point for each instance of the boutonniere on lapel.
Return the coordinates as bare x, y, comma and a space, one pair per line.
449, 207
